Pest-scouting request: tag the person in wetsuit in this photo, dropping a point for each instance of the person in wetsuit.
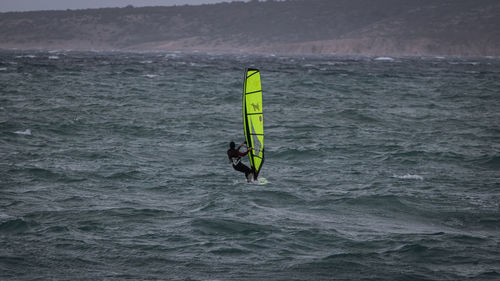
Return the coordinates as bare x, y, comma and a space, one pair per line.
234, 156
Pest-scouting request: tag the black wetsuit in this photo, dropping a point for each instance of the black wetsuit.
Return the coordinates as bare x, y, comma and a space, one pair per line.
234, 156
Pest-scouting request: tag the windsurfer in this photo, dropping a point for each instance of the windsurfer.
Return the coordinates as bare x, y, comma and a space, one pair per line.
234, 156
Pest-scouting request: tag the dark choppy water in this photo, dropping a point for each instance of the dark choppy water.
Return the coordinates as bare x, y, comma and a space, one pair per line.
113, 166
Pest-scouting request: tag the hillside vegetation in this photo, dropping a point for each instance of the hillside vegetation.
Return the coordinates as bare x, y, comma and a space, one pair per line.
382, 27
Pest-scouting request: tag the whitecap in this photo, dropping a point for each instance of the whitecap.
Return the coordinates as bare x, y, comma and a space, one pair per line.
26, 56
409, 177
384, 59
25, 132
335, 63
5, 216
171, 56
3, 68
150, 75
53, 57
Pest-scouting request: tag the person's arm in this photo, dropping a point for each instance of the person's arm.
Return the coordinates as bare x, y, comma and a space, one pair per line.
240, 146
245, 153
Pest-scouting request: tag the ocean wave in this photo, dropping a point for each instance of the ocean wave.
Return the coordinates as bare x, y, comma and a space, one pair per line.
491, 161
361, 168
229, 226
359, 115
124, 175
385, 203
13, 225
26, 56
37, 174
384, 59
409, 177
25, 132
299, 154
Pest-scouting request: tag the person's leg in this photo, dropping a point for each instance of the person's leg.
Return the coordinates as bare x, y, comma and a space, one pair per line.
242, 168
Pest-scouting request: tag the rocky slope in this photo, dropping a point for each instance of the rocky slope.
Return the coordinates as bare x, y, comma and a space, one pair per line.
381, 27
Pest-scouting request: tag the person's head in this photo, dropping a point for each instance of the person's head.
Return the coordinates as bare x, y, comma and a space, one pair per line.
232, 145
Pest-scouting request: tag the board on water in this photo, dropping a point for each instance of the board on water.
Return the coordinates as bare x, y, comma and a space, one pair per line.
262, 181
253, 119
259, 181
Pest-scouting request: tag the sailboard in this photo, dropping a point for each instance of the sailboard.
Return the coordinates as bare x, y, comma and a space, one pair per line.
253, 119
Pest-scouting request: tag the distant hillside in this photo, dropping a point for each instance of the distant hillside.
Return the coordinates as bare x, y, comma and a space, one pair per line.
381, 27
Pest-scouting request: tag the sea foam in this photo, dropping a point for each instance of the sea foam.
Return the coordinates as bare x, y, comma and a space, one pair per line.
384, 59
409, 177
25, 132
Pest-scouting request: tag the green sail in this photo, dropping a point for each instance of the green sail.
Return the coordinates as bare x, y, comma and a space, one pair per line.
253, 119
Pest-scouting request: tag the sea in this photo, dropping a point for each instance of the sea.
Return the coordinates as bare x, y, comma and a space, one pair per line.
113, 166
